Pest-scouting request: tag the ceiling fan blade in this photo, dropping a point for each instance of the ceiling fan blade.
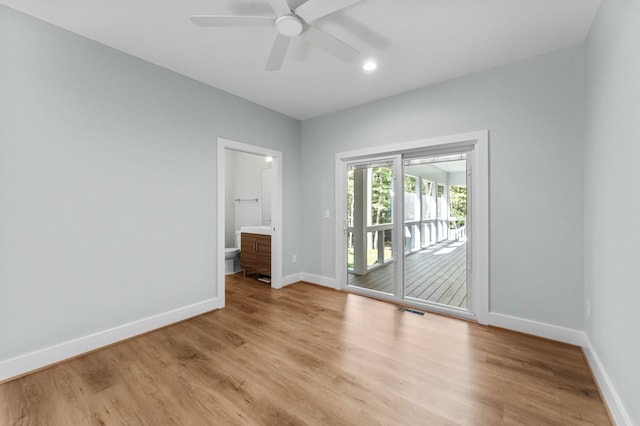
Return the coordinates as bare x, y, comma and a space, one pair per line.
279, 49
330, 44
281, 7
232, 21
316, 9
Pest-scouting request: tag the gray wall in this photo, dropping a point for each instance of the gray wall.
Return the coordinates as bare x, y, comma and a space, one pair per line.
611, 196
108, 184
534, 111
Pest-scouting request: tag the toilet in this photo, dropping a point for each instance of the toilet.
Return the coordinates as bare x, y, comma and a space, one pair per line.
232, 257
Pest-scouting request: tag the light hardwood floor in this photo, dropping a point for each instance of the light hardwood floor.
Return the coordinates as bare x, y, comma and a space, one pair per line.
309, 355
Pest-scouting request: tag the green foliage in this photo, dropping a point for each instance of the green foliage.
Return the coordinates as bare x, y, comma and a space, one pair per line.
381, 181
426, 187
458, 202
410, 184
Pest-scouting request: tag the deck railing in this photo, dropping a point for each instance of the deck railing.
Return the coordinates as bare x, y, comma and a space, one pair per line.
419, 234
458, 232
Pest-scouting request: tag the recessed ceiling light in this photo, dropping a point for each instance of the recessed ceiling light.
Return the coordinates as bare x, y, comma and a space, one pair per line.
369, 66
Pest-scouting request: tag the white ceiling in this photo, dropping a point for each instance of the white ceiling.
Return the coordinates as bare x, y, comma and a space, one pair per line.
415, 42
455, 166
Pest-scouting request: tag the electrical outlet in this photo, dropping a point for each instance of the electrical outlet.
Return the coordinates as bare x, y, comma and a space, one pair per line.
587, 309
294, 258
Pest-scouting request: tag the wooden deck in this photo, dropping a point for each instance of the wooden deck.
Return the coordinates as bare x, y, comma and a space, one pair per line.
436, 274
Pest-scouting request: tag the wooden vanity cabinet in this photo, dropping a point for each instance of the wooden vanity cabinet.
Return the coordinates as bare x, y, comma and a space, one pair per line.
255, 253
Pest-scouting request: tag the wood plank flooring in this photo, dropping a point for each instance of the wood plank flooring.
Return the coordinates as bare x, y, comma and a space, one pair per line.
310, 355
436, 274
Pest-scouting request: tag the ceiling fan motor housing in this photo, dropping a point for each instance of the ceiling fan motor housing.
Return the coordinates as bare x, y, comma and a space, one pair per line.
289, 25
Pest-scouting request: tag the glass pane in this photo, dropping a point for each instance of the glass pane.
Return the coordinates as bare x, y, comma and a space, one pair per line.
411, 200
370, 259
435, 244
380, 181
426, 194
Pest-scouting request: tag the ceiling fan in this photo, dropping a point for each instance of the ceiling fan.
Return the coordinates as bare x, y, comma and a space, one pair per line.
290, 23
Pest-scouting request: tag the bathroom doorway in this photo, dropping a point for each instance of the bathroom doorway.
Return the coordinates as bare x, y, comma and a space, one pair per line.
249, 184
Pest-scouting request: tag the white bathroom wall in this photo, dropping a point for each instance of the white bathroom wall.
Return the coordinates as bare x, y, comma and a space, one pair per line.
247, 185
247, 176
267, 182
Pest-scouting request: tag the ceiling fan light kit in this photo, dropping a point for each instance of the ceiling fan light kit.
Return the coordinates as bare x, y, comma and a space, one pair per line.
369, 66
290, 23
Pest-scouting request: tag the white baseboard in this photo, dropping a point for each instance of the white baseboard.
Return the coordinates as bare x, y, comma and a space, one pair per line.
291, 279
32, 361
616, 408
535, 328
320, 280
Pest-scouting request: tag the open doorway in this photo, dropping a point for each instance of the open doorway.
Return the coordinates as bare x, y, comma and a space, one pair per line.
252, 204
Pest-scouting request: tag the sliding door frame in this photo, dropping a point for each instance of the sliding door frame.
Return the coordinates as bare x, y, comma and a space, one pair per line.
479, 197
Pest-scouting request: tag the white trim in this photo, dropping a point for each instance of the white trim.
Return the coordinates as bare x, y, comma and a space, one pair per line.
320, 280
416, 145
608, 391
535, 328
479, 237
220, 288
276, 209
398, 228
480, 218
29, 362
340, 208
291, 279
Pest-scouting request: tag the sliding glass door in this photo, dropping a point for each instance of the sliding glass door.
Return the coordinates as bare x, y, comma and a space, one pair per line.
413, 247
435, 229
370, 226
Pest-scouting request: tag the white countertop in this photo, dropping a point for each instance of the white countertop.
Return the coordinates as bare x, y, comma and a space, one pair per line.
258, 229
